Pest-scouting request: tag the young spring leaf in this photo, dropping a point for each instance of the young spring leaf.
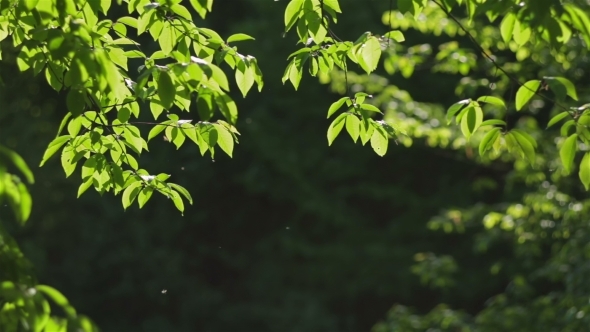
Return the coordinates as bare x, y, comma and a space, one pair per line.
371, 108
526, 92
292, 13
336, 127
568, 152
471, 121
239, 37
177, 200
53, 147
225, 139
525, 145
492, 100
557, 118
585, 171
379, 141
567, 84
19, 162
507, 26
369, 54
493, 122
244, 77
144, 196
396, 35
336, 106
456, 107
130, 193
182, 191
353, 125
488, 140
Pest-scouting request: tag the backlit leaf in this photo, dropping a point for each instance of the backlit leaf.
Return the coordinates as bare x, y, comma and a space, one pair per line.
335, 127
568, 152
526, 92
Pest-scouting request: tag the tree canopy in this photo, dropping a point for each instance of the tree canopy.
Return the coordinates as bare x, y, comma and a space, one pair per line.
494, 89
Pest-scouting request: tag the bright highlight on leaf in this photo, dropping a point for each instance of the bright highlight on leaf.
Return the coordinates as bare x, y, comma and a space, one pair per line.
526, 92
568, 152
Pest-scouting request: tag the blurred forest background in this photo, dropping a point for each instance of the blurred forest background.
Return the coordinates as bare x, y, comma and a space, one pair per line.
290, 234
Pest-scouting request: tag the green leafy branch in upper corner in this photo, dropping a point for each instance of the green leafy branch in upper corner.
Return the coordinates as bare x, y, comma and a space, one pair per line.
24, 305
89, 58
322, 51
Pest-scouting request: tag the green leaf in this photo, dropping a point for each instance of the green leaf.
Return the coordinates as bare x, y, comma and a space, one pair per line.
336, 106
225, 140
166, 90
379, 141
58, 298
369, 54
492, 100
227, 107
239, 37
335, 127
129, 21
525, 145
568, 152
30, 4
569, 86
521, 33
396, 35
53, 147
566, 126
68, 160
181, 11
353, 125
488, 140
134, 54
471, 121
244, 77
295, 70
493, 122
182, 191
371, 108
130, 193
19, 163
84, 186
456, 107
292, 13
585, 170
144, 196
177, 200
333, 4
507, 27
526, 92
557, 118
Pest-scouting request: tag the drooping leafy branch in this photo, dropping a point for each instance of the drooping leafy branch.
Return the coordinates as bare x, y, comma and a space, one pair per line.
553, 25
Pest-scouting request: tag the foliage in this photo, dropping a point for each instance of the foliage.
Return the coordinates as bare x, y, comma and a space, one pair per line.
24, 304
529, 53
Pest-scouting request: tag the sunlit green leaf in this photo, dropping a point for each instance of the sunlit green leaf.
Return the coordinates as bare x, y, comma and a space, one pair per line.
557, 118
353, 125
335, 127
568, 152
526, 92
585, 170
239, 37
130, 193
53, 147
379, 141
336, 106
488, 140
